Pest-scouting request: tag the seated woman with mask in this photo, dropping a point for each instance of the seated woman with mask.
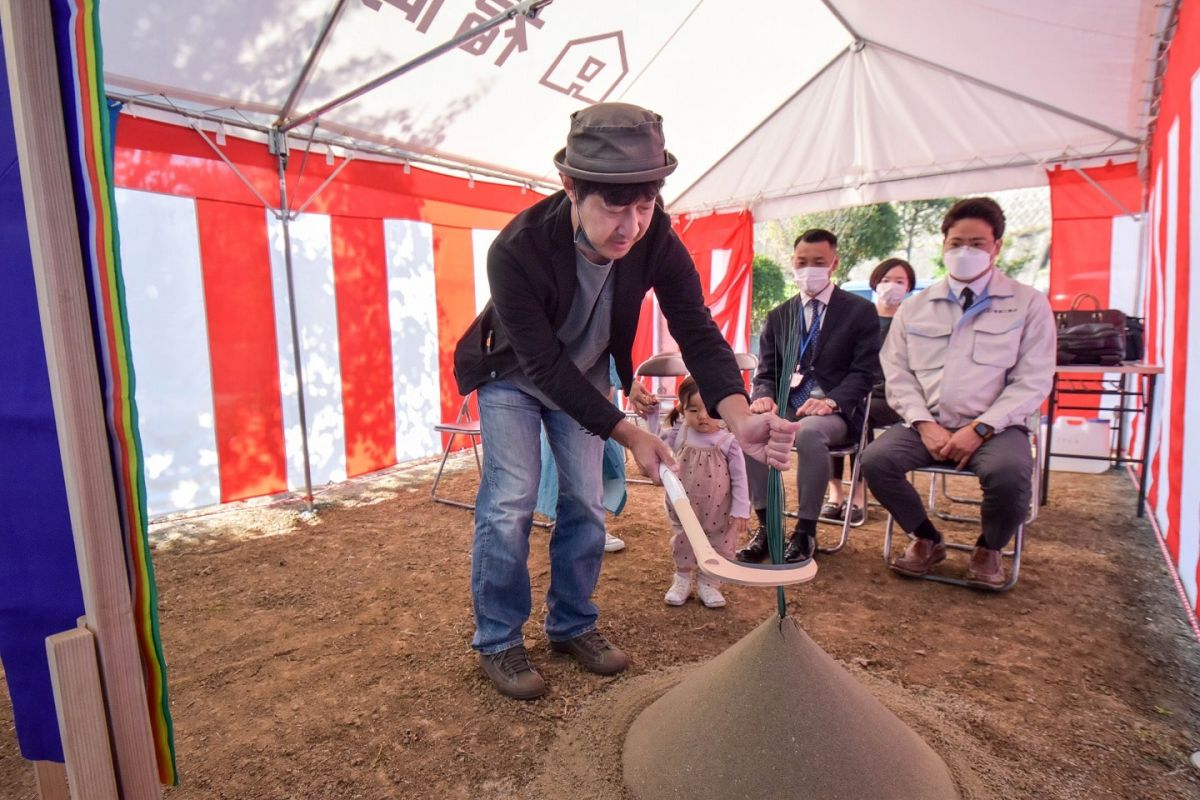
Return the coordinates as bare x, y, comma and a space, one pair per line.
891, 281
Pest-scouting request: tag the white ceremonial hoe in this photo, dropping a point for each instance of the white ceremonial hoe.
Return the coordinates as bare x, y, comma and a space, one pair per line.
713, 563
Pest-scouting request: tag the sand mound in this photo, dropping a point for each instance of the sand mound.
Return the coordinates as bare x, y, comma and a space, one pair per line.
804, 727
585, 760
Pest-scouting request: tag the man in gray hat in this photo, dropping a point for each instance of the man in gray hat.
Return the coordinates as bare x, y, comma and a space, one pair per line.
567, 278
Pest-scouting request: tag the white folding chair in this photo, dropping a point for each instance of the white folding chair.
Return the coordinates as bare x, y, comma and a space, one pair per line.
661, 365
670, 365
462, 425
747, 362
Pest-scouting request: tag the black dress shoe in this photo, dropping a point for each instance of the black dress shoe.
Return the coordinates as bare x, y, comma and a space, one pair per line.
834, 511
755, 550
800, 548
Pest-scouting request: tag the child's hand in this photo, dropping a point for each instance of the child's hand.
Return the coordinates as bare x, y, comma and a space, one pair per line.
738, 526
644, 401
763, 405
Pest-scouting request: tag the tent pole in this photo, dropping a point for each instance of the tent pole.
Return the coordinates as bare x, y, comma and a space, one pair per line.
314, 55
735, 203
346, 139
845, 23
528, 8
1107, 194
279, 145
253, 190
345, 162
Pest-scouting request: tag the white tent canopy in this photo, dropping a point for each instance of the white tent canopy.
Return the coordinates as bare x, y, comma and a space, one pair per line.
776, 105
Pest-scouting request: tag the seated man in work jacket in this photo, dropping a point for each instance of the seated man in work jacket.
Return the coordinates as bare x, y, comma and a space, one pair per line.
568, 277
967, 361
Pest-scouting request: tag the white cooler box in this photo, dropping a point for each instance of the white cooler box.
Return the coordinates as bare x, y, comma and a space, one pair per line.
1085, 437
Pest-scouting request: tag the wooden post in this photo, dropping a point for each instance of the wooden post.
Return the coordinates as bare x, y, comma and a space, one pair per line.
74, 385
79, 703
51, 780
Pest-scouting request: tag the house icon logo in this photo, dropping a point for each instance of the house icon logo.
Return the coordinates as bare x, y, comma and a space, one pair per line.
589, 68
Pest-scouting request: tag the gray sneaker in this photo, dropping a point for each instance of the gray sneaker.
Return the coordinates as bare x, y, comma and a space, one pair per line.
594, 652
512, 673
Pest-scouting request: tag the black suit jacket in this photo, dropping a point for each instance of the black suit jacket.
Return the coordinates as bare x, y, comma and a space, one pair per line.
531, 270
847, 357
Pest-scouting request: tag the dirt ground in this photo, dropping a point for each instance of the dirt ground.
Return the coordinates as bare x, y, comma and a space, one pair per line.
327, 656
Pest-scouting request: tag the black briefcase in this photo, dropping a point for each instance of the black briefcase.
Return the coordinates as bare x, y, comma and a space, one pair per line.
1091, 335
1099, 343
1081, 316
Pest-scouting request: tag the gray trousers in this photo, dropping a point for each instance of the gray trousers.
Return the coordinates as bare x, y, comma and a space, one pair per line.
813, 440
1003, 464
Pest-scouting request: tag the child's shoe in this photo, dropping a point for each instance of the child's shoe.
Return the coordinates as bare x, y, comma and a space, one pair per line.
710, 593
680, 589
613, 544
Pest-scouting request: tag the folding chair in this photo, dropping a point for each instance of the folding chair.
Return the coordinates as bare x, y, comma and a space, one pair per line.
1033, 426
662, 365
463, 425
747, 362
670, 365
1014, 553
855, 449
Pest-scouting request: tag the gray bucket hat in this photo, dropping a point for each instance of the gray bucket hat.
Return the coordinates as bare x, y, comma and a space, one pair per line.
615, 143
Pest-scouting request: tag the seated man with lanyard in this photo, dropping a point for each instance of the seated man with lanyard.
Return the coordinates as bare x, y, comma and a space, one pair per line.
567, 277
830, 373
966, 362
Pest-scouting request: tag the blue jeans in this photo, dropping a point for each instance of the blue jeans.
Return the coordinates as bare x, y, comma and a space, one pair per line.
510, 421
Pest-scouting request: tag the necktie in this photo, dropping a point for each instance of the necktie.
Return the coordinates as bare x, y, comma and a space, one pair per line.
968, 299
799, 394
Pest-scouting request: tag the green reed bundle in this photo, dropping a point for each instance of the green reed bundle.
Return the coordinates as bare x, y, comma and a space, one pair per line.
792, 318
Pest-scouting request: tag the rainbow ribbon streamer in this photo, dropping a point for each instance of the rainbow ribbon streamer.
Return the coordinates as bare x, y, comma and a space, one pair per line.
90, 145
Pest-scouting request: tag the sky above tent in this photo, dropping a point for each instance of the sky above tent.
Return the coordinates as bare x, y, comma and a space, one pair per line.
778, 105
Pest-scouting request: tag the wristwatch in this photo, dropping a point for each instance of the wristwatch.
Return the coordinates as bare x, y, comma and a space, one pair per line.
829, 401
984, 430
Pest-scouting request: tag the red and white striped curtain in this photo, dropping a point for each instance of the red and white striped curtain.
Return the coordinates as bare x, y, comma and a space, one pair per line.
1172, 321
388, 269
722, 247
385, 282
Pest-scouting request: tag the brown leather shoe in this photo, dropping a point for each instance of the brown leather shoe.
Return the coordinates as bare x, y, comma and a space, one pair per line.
919, 558
986, 571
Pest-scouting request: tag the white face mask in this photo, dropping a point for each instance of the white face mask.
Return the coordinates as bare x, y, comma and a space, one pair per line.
890, 294
966, 263
811, 280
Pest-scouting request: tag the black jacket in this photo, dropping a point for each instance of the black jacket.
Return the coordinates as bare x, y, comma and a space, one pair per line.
531, 269
847, 357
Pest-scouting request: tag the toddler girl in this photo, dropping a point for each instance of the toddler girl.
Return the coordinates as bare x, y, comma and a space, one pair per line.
713, 472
